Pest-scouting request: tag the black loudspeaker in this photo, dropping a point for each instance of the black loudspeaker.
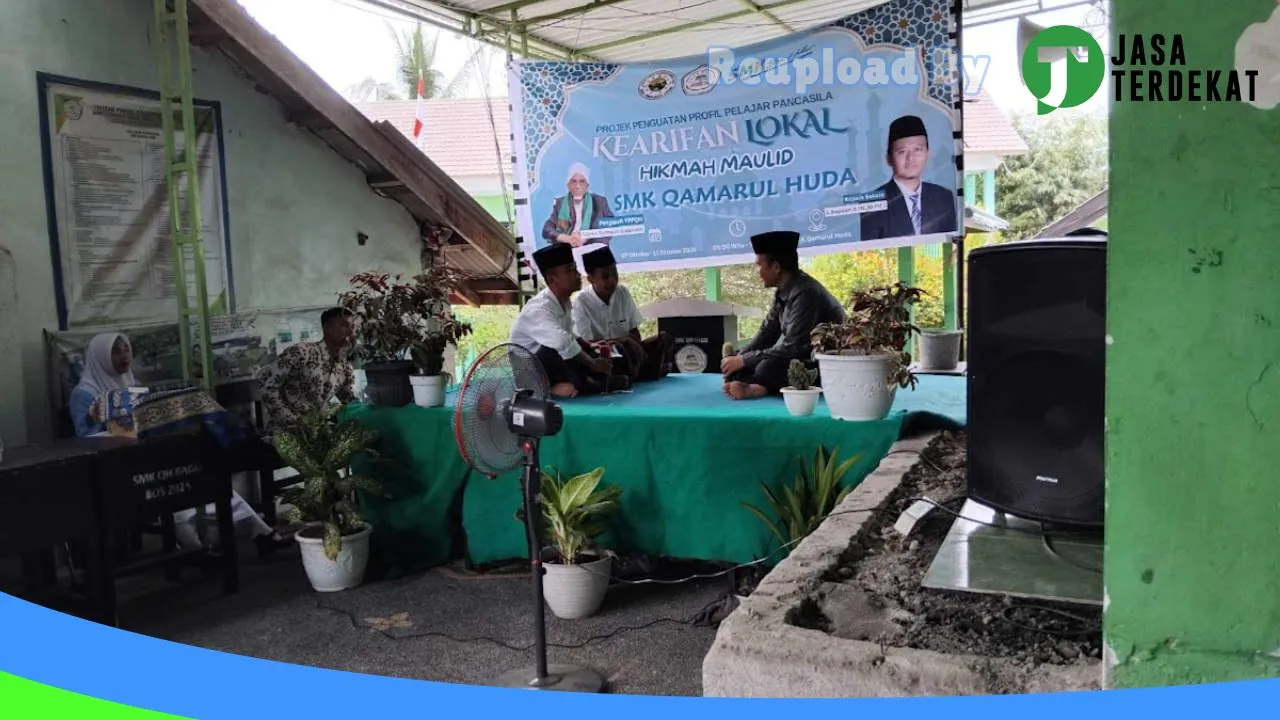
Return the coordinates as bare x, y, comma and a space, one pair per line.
1036, 379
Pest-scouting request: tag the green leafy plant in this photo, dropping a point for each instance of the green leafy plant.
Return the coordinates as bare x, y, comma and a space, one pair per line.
575, 511
320, 449
800, 376
445, 329
395, 317
803, 505
879, 323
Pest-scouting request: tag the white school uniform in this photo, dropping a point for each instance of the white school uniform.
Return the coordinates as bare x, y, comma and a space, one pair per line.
544, 322
594, 320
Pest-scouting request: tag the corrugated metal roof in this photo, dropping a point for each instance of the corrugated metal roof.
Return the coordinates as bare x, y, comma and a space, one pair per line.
1084, 215
634, 30
390, 164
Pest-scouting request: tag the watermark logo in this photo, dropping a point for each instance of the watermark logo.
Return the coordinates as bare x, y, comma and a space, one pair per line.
1064, 67
809, 68
1070, 84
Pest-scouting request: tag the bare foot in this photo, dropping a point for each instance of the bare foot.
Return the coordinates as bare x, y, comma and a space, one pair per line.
727, 390
742, 391
564, 390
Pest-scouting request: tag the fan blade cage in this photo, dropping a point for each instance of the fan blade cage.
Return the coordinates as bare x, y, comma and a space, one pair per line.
479, 422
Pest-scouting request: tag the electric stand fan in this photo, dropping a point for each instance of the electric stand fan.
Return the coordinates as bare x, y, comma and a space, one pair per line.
502, 413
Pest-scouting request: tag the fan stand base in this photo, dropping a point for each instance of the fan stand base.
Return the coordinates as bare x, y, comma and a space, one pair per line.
560, 678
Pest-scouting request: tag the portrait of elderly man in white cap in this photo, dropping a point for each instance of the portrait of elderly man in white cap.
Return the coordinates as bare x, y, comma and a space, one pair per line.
576, 211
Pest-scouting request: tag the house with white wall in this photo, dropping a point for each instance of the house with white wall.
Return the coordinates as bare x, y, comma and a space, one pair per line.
314, 192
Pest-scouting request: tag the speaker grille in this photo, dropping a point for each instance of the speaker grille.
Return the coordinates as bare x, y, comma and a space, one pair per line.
1037, 331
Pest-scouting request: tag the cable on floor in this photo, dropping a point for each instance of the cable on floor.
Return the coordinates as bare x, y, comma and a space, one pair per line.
355, 623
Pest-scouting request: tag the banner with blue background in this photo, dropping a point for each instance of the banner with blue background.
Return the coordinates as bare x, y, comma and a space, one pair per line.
847, 134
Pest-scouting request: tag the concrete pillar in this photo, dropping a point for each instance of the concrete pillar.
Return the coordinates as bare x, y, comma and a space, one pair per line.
1193, 369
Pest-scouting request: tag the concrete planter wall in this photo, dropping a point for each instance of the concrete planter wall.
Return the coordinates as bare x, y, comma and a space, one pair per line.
758, 653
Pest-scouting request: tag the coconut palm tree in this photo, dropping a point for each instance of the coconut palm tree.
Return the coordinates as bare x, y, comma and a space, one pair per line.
371, 90
417, 56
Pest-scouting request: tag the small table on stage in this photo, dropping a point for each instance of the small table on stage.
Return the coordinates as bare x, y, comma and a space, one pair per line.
47, 498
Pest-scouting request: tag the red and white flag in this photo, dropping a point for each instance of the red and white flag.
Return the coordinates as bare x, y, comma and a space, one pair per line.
420, 120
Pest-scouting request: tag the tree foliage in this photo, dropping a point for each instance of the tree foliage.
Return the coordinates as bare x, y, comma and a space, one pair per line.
845, 273
739, 284
1066, 166
416, 58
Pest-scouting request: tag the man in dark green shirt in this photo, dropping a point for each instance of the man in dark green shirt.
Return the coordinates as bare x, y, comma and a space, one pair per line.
800, 303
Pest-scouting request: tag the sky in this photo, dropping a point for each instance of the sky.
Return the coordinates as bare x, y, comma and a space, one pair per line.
346, 41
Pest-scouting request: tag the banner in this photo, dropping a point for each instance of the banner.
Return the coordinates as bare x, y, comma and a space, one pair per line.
676, 164
242, 345
105, 182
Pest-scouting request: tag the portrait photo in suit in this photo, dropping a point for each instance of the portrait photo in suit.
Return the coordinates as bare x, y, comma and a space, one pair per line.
915, 207
575, 211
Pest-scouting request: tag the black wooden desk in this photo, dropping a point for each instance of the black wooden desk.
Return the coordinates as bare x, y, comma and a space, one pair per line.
253, 455
46, 499
139, 480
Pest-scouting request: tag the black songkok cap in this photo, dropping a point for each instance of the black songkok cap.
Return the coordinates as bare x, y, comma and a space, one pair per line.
905, 127
601, 257
553, 256
776, 243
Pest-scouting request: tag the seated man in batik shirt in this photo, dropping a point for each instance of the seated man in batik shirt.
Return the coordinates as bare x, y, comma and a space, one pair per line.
309, 375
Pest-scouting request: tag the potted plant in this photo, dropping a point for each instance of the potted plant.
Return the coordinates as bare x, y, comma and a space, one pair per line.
939, 349
391, 317
801, 507
335, 537
578, 571
801, 396
863, 360
443, 329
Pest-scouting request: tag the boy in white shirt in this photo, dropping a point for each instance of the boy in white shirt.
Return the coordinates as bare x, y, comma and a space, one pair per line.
544, 327
605, 314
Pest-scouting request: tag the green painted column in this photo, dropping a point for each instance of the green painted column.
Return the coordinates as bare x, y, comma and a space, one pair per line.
989, 191
713, 284
907, 269
949, 316
1193, 369
950, 306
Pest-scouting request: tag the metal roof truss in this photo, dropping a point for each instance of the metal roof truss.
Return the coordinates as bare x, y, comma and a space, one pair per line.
566, 30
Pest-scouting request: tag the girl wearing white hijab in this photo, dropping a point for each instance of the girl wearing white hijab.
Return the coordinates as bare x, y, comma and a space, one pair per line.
108, 365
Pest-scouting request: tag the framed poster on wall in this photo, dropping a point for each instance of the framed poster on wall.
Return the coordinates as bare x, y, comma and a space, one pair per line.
108, 204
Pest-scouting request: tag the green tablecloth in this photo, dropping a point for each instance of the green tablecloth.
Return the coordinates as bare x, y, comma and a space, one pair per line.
685, 456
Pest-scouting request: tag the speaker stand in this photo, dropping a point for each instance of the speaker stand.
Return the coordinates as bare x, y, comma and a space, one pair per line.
990, 552
564, 678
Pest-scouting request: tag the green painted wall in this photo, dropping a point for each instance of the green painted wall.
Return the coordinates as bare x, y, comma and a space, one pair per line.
1193, 371
497, 206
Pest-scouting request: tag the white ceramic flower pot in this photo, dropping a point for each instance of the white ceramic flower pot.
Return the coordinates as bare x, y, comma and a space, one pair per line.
801, 403
576, 591
856, 386
334, 575
428, 390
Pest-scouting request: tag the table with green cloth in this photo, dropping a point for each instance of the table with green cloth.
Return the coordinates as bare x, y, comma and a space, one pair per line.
685, 456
